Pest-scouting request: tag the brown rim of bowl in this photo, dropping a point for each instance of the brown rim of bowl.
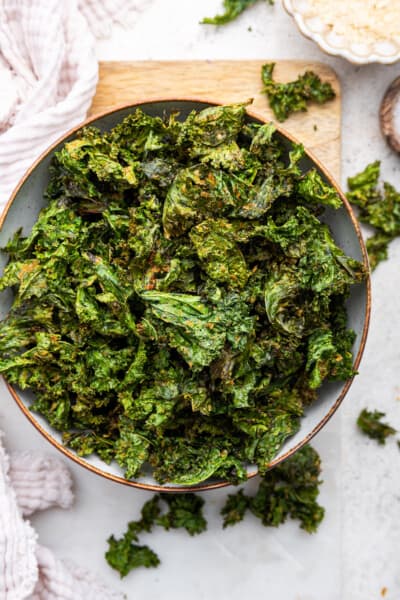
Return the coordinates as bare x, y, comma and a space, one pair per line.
338, 401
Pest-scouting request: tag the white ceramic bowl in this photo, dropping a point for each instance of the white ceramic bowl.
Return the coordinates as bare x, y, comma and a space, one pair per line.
385, 51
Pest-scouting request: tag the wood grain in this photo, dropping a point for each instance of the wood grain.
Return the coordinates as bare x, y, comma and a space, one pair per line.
226, 81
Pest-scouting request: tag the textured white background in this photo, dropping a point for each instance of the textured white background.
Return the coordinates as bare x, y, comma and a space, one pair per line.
356, 551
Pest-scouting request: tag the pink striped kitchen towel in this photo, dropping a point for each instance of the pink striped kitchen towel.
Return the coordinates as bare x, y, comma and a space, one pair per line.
48, 73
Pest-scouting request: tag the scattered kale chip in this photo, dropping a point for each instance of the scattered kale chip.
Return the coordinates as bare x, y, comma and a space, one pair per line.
379, 208
124, 556
179, 302
232, 9
184, 511
287, 98
288, 490
370, 423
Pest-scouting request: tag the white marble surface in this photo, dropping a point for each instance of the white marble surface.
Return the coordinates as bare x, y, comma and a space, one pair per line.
355, 553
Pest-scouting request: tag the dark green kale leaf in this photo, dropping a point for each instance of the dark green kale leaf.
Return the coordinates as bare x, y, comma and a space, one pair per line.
362, 187
190, 464
291, 490
196, 191
123, 555
131, 451
194, 330
288, 490
184, 510
286, 98
235, 508
233, 8
378, 208
371, 425
213, 127
150, 512
313, 189
378, 248
222, 258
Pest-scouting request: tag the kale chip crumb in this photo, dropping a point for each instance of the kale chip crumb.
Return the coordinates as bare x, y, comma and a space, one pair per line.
369, 422
287, 98
378, 207
289, 490
232, 9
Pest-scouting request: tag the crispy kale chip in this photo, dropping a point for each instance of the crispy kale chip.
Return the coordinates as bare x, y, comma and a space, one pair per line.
232, 9
179, 302
378, 208
184, 511
287, 98
288, 490
370, 423
235, 508
124, 556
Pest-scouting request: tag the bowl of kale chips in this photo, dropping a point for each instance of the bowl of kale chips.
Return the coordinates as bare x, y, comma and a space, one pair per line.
184, 295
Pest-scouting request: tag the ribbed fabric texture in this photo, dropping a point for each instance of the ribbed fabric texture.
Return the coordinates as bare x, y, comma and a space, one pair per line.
30, 482
39, 482
18, 565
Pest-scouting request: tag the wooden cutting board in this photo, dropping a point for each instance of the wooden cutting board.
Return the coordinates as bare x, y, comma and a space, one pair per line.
225, 81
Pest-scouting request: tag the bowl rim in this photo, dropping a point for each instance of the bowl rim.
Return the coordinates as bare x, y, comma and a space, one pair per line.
218, 484
343, 51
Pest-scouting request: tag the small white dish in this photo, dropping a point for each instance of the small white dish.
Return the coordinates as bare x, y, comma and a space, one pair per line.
384, 51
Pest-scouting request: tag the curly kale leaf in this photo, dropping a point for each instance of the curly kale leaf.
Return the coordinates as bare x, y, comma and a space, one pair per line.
272, 427
235, 508
178, 301
384, 215
187, 464
378, 208
196, 191
124, 556
370, 423
362, 187
290, 490
184, 510
232, 8
193, 329
131, 451
214, 127
378, 248
329, 356
286, 98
